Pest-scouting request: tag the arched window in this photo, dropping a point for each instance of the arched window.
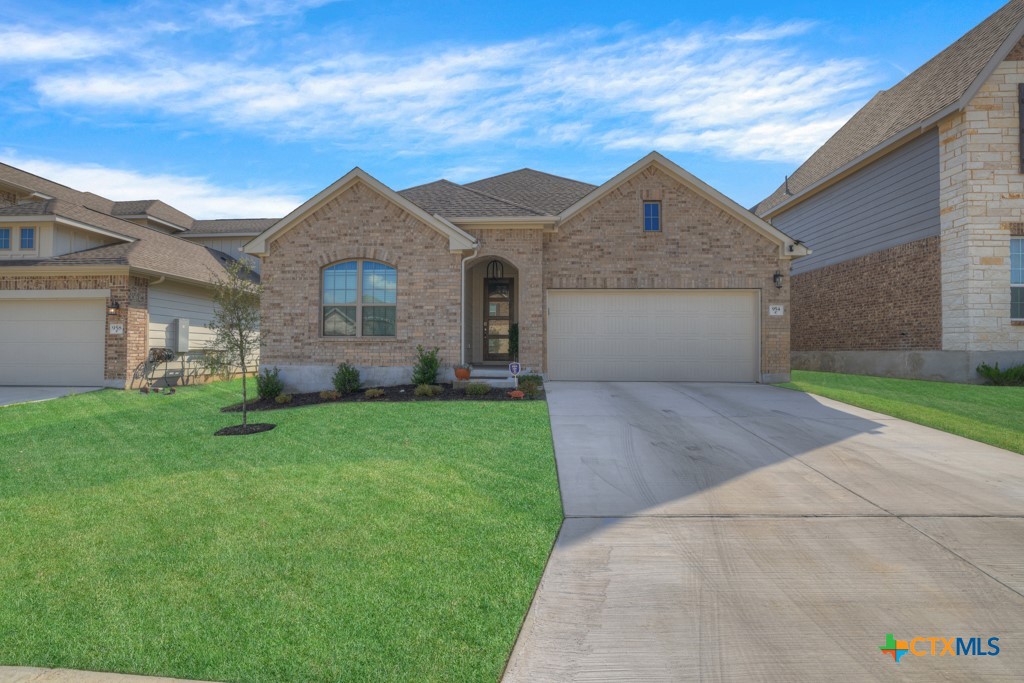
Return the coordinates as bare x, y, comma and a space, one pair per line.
359, 299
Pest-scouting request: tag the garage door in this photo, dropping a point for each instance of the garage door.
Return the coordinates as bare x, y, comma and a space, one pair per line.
51, 342
653, 335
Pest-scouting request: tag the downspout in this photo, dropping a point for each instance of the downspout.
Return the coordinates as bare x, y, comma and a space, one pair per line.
462, 313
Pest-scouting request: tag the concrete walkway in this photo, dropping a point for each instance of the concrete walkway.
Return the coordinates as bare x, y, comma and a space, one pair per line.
10, 396
737, 532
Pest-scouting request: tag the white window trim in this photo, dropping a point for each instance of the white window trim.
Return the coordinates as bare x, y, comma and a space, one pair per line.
1014, 286
358, 303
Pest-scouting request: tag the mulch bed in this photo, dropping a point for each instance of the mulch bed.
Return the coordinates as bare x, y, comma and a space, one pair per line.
403, 392
241, 430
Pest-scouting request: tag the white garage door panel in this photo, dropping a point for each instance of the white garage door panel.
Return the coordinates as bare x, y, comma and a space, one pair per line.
51, 342
653, 335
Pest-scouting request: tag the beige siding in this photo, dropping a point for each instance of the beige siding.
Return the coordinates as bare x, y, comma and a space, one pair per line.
232, 246
68, 240
170, 301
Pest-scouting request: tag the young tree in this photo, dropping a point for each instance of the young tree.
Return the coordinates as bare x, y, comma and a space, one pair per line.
235, 325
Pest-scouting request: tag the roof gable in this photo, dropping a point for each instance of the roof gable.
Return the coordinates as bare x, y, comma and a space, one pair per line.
458, 240
943, 85
788, 247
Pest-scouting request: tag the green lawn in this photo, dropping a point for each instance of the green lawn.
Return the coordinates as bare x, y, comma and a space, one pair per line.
993, 415
354, 542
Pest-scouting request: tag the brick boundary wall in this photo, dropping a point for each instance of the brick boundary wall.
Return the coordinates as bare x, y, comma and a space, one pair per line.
887, 301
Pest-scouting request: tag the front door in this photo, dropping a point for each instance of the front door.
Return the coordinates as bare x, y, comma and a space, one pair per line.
497, 318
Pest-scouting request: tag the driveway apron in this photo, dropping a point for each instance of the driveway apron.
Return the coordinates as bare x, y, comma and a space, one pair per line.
727, 532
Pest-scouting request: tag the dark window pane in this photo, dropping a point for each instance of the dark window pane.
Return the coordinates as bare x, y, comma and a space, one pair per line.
652, 216
5, 238
498, 309
28, 238
1017, 303
339, 321
378, 321
497, 290
380, 283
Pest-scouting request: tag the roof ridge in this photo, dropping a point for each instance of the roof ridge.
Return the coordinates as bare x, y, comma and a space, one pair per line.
533, 170
503, 200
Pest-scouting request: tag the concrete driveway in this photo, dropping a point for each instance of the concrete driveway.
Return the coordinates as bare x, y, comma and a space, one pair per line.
735, 532
13, 395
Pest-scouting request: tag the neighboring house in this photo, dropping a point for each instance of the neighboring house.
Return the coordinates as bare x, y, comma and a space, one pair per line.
88, 287
653, 275
915, 213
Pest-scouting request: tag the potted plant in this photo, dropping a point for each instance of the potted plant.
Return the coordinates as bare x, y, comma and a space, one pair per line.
462, 372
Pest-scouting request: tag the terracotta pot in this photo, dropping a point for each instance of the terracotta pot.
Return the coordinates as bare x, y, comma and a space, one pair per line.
462, 374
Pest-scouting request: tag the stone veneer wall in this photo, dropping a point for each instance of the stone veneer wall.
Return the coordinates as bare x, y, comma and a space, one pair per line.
886, 301
699, 246
358, 224
122, 353
982, 201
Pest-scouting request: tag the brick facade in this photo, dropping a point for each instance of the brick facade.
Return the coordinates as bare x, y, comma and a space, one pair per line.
360, 224
699, 246
982, 198
886, 301
122, 353
604, 246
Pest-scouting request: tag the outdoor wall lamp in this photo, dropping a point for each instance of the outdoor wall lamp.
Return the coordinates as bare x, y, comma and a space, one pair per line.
778, 279
114, 308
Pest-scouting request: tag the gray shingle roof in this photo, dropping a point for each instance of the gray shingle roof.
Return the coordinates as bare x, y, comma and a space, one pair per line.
450, 200
252, 226
26, 209
152, 250
154, 208
935, 86
549, 194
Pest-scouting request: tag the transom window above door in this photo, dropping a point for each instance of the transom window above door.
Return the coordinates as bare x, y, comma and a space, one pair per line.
360, 299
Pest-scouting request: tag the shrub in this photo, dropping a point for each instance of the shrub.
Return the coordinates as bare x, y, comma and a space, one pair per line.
329, 395
427, 365
1010, 377
478, 389
346, 379
530, 385
516, 394
374, 393
268, 384
513, 341
284, 398
428, 390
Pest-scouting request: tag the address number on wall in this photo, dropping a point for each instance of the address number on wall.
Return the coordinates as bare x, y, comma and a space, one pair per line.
117, 328
776, 310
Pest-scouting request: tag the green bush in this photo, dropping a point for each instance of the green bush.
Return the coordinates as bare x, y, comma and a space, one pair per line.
427, 390
513, 341
427, 365
284, 398
268, 384
374, 393
530, 385
1010, 377
478, 389
346, 379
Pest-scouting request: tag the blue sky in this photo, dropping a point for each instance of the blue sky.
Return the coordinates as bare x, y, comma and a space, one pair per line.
248, 107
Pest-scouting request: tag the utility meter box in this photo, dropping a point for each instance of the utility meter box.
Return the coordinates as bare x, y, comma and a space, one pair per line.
181, 335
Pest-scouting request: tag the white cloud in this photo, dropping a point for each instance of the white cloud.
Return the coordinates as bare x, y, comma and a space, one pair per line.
242, 13
23, 44
197, 196
746, 94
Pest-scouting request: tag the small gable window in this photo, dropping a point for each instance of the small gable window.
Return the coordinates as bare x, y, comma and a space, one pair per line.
5, 238
360, 299
652, 216
28, 238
